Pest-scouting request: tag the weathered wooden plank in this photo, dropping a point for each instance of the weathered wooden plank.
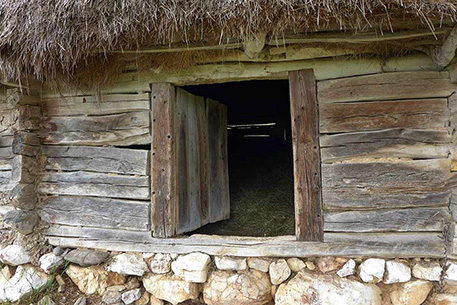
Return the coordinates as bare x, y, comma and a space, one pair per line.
187, 148
386, 184
133, 136
412, 220
219, 198
386, 86
417, 113
388, 143
307, 167
217, 73
91, 105
97, 159
93, 189
6, 153
90, 177
335, 244
203, 162
6, 140
163, 179
100, 212
5, 165
126, 128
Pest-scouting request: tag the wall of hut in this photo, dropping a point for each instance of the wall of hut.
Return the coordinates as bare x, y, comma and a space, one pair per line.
387, 139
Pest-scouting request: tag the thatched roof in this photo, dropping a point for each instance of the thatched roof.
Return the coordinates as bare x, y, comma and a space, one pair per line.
43, 37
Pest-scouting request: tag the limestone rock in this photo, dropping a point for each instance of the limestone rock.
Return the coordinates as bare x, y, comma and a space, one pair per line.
111, 296
25, 280
170, 288
133, 283
372, 270
192, 267
5, 274
22, 221
230, 263
451, 271
131, 296
347, 269
325, 289
161, 263
237, 288
445, 299
128, 264
428, 271
58, 251
14, 255
279, 272
86, 257
296, 264
144, 300
310, 265
93, 279
327, 264
154, 301
50, 262
261, 264
397, 272
24, 196
81, 301
411, 293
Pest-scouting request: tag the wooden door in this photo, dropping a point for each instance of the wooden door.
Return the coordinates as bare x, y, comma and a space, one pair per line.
189, 161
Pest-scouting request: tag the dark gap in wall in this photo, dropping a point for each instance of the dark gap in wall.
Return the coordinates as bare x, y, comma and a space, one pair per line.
137, 146
260, 158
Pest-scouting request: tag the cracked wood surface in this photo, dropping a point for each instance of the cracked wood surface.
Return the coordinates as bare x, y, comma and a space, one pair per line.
99, 212
387, 143
97, 159
338, 244
378, 185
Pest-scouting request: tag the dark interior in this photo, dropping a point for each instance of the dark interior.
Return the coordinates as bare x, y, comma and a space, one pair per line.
260, 158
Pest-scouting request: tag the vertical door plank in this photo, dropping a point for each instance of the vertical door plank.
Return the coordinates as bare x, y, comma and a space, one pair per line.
219, 199
188, 169
307, 164
203, 161
164, 203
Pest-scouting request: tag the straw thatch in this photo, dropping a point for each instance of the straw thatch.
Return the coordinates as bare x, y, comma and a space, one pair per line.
43, 37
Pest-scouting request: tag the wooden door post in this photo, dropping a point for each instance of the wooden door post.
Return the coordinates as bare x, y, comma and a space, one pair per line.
307, 163
163, 185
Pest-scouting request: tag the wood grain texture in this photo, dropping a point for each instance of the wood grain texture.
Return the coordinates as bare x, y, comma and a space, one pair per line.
400, 220
99, 212
386, 184
95, 189
90, 105
360, 116
307, 167
386, 86
119, 129
97, 159
335, 244
386, 143
163, 179
219, 198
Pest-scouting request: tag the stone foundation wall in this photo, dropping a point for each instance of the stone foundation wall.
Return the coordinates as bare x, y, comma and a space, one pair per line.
197, 278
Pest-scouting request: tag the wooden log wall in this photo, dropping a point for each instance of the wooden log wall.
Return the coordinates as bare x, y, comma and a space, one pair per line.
97, 169
387, 152
386, 145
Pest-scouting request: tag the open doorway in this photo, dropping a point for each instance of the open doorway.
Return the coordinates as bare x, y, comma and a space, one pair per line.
260, 161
